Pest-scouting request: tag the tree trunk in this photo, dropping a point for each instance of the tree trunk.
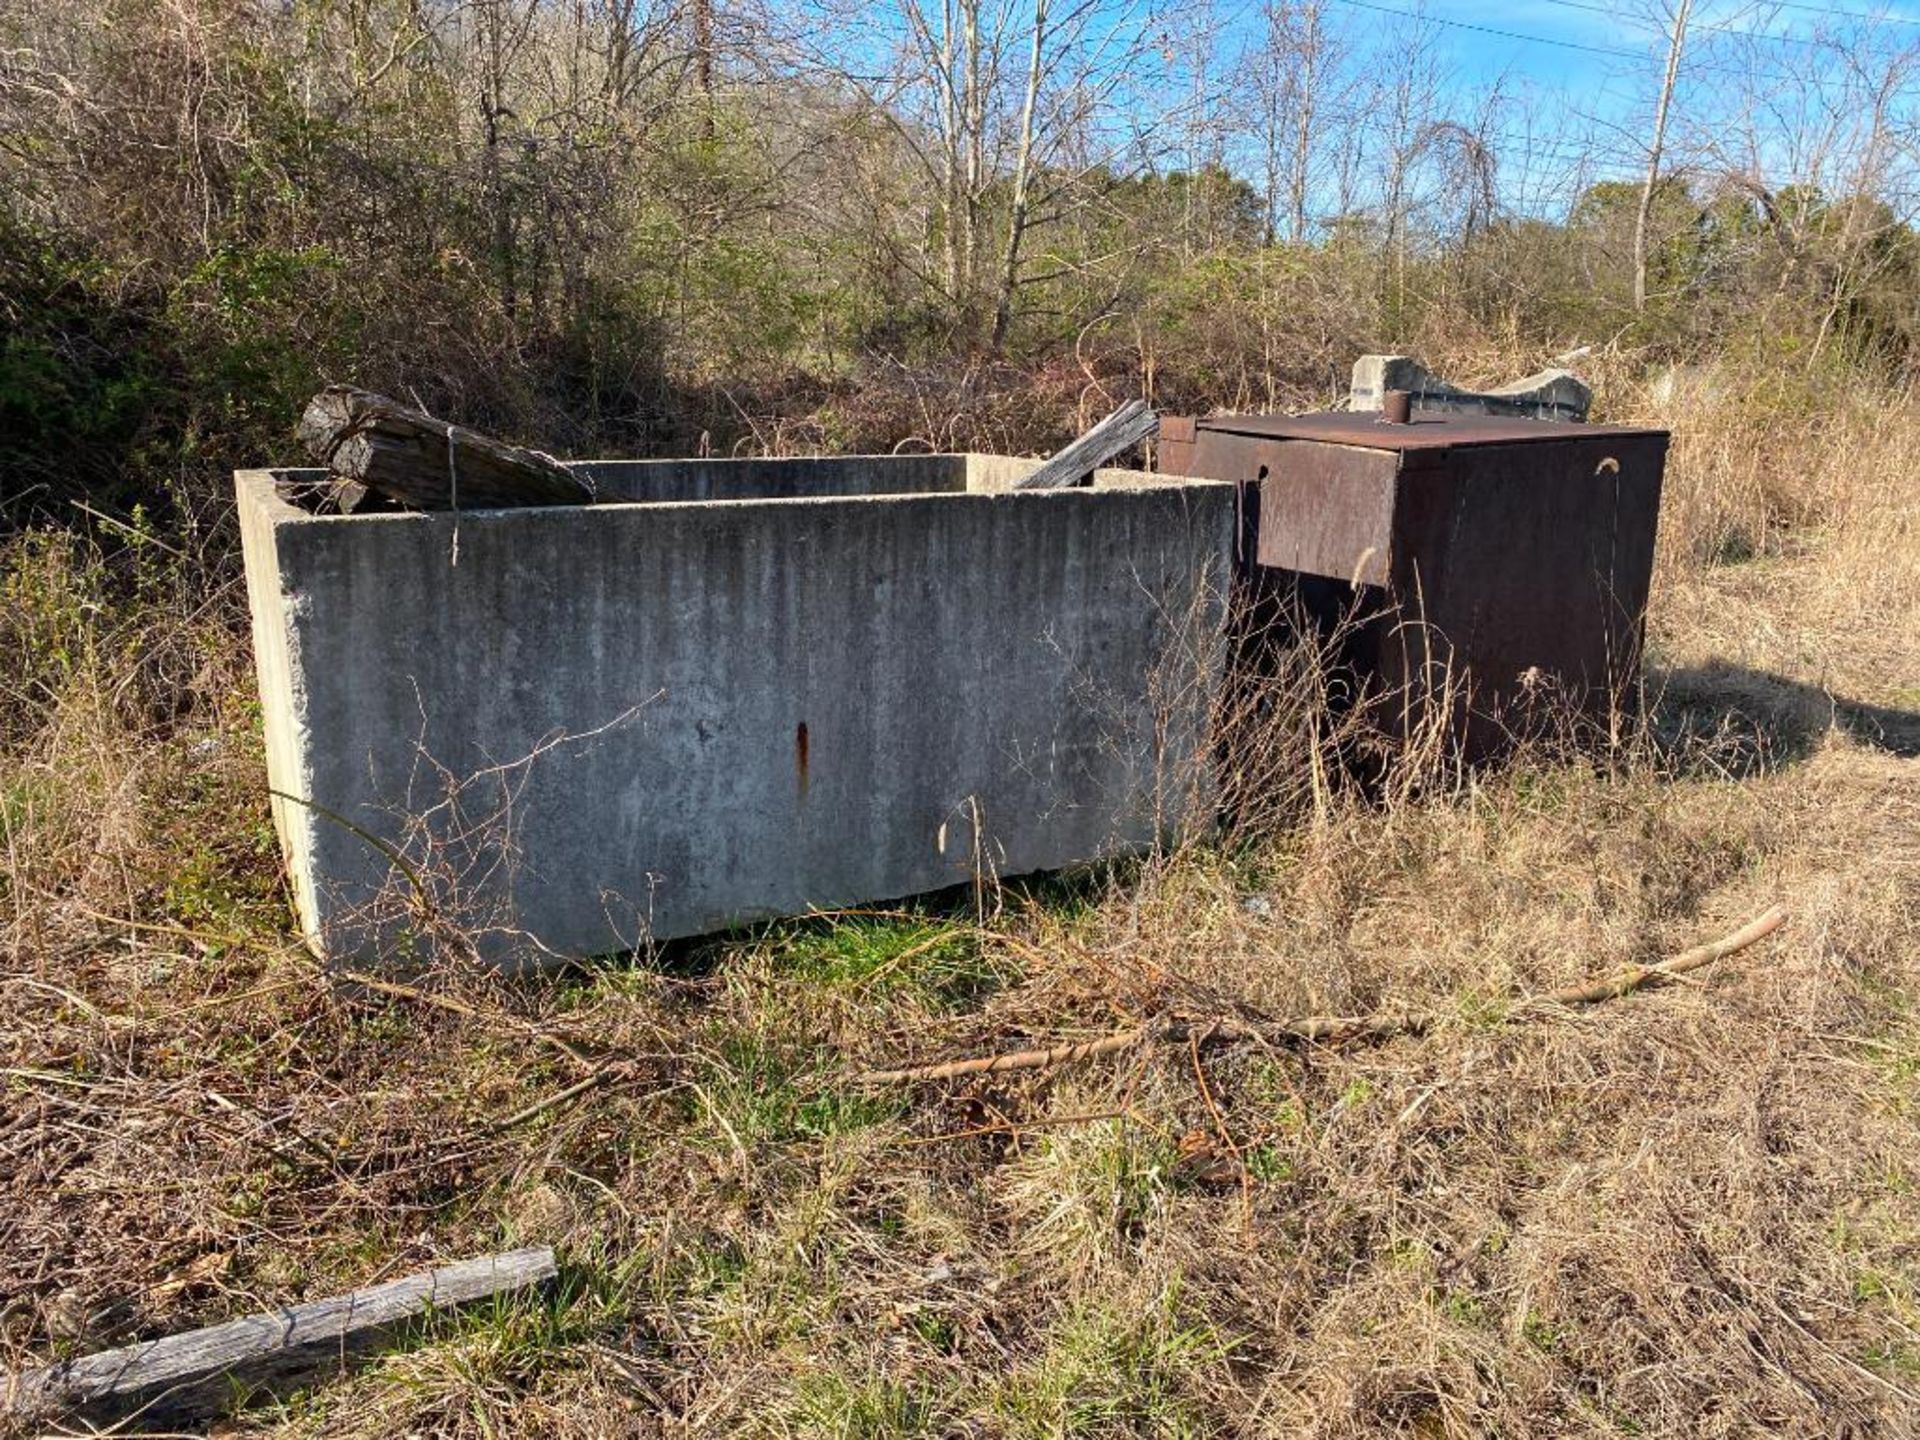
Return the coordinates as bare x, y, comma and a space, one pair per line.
703, 64
1677, 40
1307, 94
1022, 182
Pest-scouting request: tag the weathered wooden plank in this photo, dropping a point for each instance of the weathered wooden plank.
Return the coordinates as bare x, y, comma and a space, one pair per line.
201, 1372
426, 463
1125, 427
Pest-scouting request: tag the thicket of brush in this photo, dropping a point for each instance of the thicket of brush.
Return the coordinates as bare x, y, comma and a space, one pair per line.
613, 228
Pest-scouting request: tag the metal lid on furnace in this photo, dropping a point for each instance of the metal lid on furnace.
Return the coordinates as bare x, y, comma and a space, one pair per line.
1427, 430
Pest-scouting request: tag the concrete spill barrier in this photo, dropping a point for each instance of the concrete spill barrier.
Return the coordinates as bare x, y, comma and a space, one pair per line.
745, 689
1549, 395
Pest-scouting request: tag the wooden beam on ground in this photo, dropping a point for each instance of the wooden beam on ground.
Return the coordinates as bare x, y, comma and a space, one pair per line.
187, 1377
1120, 431
425, 463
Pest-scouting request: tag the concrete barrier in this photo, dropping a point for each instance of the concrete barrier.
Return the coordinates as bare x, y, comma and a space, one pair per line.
1549, 395
751, 689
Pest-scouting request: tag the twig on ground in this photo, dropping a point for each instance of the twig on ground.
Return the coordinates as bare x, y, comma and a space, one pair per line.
1017, 1060
1331, 1029
574, 1050
601, 1071
552, 1102
1226, 1135
1017, 1127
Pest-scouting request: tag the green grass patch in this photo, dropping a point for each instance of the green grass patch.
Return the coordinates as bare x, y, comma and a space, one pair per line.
1073, 897
943, 964
1896, 1359
759, 1091
1113, 1371
1482, 1009
1541, 1333
1268, 1165
838, 1406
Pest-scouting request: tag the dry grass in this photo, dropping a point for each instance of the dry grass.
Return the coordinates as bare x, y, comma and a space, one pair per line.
1686, 1213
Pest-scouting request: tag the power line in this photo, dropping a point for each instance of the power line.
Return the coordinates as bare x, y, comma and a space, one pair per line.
1615, 52
1503, 34
1563, 146
1612, 13
1861, 15
1570, 154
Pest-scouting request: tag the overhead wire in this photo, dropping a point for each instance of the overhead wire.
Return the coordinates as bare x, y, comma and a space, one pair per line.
1863, 16
1612, 51
1612, 12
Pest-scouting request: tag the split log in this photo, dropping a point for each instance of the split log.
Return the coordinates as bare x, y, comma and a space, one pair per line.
428, 464
185, 1378
1123, 429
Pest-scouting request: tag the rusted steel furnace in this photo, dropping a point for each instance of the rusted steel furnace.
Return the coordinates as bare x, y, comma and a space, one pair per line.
1486, 573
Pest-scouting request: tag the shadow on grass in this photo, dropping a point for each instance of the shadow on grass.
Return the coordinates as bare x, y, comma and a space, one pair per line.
1066, 892
698, 957
1744, 721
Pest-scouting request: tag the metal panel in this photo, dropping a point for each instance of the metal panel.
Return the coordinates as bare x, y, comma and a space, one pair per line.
1328, 510
1227, 455
1503, 565
1175, 445
1524, 570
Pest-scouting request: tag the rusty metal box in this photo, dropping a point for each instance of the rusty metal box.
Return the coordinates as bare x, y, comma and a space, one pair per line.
1494, 568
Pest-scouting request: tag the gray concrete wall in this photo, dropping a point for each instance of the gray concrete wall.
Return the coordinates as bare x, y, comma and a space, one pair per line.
631, 721
776, 479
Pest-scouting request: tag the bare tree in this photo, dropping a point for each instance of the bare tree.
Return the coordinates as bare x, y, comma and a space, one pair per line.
1019, 213
1825, 155
1676, 43
1009, 112
1296, 92
1408, 100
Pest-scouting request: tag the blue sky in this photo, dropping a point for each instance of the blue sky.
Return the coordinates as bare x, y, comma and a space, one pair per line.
1770, 90
1583, 73
1605, 25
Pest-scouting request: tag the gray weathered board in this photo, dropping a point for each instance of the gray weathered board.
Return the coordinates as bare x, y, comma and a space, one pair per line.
201, 1372
1124, 428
